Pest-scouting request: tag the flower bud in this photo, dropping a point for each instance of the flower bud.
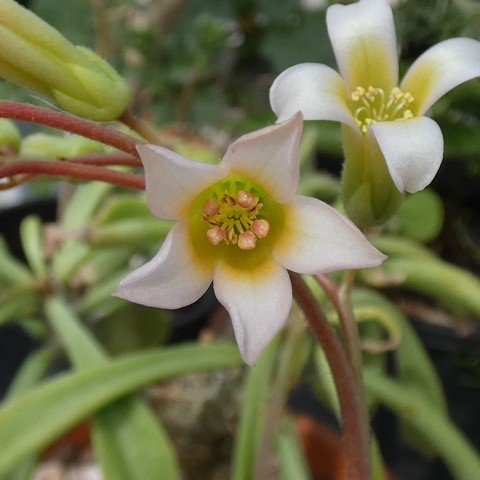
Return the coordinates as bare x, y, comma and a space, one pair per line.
10, 137
368, 192
39, 146
35, 55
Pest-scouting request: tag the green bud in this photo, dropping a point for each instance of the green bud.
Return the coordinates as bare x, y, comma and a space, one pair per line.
368, 192
35, 55
40, 146
9, 135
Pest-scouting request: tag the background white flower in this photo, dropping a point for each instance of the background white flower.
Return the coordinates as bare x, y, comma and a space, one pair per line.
367, 97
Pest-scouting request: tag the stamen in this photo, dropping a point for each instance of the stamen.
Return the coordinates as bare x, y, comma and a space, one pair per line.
245, 199
215, 235
233, 218
260, 228
211, 207
246, 241
373, 106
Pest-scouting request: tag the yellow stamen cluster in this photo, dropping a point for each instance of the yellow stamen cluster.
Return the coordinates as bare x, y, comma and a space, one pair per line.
233, 219
375, 106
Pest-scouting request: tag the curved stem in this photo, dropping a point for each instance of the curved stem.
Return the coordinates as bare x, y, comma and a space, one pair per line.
73, 170
69, 123
106, 159
341, 300
358, 464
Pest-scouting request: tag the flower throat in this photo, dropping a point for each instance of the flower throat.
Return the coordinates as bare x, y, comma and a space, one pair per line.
233, 218
373, 105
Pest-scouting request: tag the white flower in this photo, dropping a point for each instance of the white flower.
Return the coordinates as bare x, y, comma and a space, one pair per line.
367, 96
241, 225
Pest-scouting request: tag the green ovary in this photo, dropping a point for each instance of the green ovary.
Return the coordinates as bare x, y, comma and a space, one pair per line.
224, 217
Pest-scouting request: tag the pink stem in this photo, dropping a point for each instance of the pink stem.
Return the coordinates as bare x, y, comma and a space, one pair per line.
69, 123
73, 170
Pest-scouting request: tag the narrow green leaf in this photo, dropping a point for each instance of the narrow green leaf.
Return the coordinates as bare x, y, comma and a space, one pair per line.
32, 243
32, 370
249, 431
441, 435
82, 206
31, 422
12, 272
291, 460
17, 302
128, 440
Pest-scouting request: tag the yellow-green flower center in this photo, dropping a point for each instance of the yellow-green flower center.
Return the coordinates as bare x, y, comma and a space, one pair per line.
373, 105
236, 219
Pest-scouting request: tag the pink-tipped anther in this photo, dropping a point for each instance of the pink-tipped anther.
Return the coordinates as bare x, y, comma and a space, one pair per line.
260, 228
246, 241
210, 207
245, 199
215, 235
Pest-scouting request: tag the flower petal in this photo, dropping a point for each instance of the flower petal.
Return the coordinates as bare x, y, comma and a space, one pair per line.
316, 90
270, 157
439, 69
258, 302
174, 278
172, 181
413, 151
365, 44
317, 239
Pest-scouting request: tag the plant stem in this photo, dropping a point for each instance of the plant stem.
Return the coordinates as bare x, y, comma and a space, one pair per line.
358, 464
144, 128
73, 170
106, 159
341, 300
69, 123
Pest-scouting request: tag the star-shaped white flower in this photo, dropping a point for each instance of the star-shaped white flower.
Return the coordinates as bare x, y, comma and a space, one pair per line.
367, 96
241, 225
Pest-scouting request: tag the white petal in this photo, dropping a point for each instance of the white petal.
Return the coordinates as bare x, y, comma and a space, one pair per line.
174, 278
365, 44
316, 90
258, 301
413, 151
269, 157
439, 69
317, 239
172, 181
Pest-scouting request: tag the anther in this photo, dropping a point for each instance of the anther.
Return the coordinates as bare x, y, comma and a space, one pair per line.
246, 241
245, 199
260, 228
211, 207
215, 235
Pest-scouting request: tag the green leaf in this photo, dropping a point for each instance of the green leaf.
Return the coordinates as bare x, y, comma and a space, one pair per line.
12, 271
123, 207
291, 459
127, 438
434, 428
17, 302
455, 288
32, 243
421, 216
32, 370
249, 431
33, 421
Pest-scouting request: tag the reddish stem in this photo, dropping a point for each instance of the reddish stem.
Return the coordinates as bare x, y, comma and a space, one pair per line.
69, 123
357, 465
74, 170
106, 159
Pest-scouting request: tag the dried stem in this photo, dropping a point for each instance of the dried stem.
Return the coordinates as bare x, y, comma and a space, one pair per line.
358, 464
69, 123
73, 170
